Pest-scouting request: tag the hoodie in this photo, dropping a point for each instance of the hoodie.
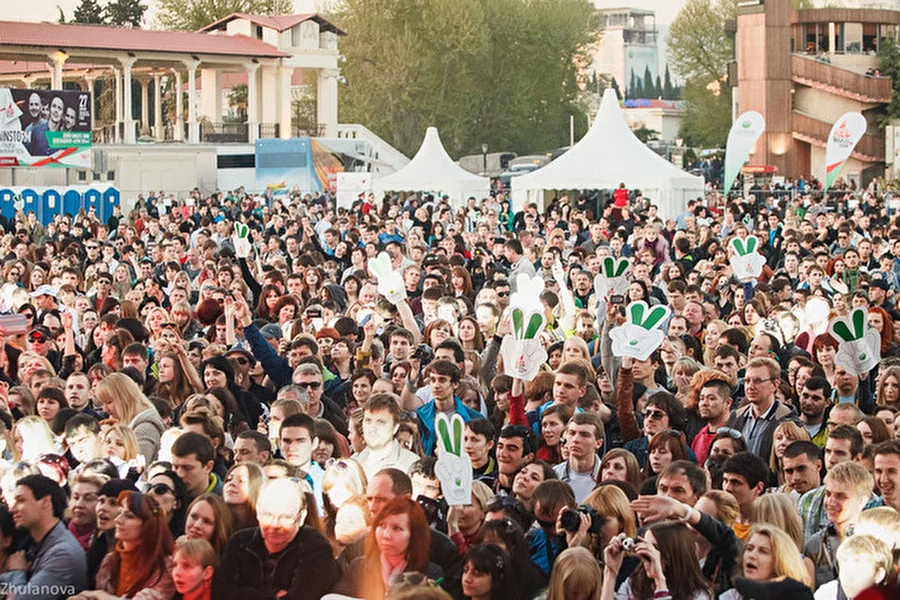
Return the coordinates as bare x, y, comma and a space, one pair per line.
148, 427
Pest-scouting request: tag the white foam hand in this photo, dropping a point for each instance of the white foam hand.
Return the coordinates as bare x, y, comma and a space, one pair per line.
522, 351
612, 277
241, 242
390, 281
746, 262
453, 468
859, 346
522, 359
641, 333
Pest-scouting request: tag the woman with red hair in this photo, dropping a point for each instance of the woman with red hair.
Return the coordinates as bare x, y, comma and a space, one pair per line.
399, 543
139, 565
880, 320
823, 350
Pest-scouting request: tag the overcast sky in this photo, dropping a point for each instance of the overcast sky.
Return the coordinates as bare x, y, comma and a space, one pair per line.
46, 10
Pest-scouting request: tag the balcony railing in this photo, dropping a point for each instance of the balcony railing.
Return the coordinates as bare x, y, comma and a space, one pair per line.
860, 87
224, 133
869, 149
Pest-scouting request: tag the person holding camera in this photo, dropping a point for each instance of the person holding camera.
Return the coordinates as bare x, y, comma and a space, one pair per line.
668, 569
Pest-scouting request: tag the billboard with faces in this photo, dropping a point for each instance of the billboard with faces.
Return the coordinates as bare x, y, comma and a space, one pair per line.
45, 128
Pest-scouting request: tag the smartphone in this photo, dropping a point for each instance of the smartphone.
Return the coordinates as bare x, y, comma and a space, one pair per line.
14, 324
617, 299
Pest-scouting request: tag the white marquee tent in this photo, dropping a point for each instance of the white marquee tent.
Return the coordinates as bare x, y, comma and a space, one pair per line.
610, 154
433, 171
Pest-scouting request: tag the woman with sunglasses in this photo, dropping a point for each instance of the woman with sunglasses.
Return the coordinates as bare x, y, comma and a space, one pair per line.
169, 491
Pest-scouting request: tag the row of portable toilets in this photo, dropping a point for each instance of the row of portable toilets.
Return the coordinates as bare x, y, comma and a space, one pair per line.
47, 202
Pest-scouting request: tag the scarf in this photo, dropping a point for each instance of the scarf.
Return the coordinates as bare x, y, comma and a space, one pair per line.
84, 536
388, 574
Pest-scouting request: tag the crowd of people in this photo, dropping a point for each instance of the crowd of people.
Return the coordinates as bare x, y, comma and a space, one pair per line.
209, 398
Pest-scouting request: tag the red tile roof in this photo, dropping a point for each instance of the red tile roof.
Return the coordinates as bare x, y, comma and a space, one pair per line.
277, 22
97, 37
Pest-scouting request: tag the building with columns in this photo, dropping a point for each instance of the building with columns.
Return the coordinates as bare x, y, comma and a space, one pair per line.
264, 51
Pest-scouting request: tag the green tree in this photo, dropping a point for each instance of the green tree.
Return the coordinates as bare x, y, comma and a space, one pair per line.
889, 65
467, 67
707, 116
668, 92
123, 13
615, 85
658, 89
88, 11
645, 134
649, 88
192, 15
699, 47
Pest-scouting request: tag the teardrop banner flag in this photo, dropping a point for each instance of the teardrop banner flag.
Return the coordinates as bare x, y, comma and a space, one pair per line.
844, 136
745, 130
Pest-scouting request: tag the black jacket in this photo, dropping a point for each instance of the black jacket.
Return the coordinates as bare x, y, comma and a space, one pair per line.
306, 569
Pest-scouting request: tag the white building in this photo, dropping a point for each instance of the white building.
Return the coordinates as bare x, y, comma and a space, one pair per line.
629, 45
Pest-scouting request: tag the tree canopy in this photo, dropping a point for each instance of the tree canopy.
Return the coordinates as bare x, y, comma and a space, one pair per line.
118, 13
192, 15
501, 72
700, 50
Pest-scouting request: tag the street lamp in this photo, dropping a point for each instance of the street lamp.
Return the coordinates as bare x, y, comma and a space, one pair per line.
484, 149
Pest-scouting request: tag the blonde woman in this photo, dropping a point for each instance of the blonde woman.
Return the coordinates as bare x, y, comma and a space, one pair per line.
575, 348
780, 510
576, 574
155, 319
122, 399
612, 503
770, 554
32, 437
785, 433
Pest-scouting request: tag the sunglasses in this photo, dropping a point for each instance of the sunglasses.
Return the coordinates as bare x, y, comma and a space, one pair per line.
733, 433
310, 385
502, 294
160, 489
242, 360
168, 326
654, 415
37, 338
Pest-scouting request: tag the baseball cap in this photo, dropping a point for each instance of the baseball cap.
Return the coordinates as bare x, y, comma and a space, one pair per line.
44, 290
239, 349
272, 330
880, 284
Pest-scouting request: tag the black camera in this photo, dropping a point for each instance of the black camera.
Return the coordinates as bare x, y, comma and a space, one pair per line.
571, 521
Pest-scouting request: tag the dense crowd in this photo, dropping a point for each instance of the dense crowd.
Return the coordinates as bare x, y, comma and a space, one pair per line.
208, 397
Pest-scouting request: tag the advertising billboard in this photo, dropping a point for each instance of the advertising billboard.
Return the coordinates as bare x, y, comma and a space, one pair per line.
45, 128
304, 163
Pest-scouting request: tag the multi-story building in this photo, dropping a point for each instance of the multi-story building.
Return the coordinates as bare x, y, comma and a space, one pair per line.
628, 45
803, 69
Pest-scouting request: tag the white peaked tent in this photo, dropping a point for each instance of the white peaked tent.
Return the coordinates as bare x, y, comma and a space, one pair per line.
432, 170
609, 154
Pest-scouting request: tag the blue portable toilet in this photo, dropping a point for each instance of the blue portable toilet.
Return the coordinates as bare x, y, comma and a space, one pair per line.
32, 202
7, 208
111, 198
51, 205
71, 202
93, 198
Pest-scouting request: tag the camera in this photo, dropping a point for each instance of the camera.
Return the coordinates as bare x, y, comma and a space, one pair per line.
571, 521
629, 543
617, 299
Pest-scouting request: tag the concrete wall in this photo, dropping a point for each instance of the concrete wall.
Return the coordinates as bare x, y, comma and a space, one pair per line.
176, 169
823, 105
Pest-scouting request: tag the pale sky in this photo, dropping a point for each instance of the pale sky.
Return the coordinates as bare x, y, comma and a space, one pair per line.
46, 10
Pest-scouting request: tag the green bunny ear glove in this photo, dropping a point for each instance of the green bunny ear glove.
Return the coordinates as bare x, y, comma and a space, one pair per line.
738, 245
444, 433
241, 230
657, 314
751, 244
